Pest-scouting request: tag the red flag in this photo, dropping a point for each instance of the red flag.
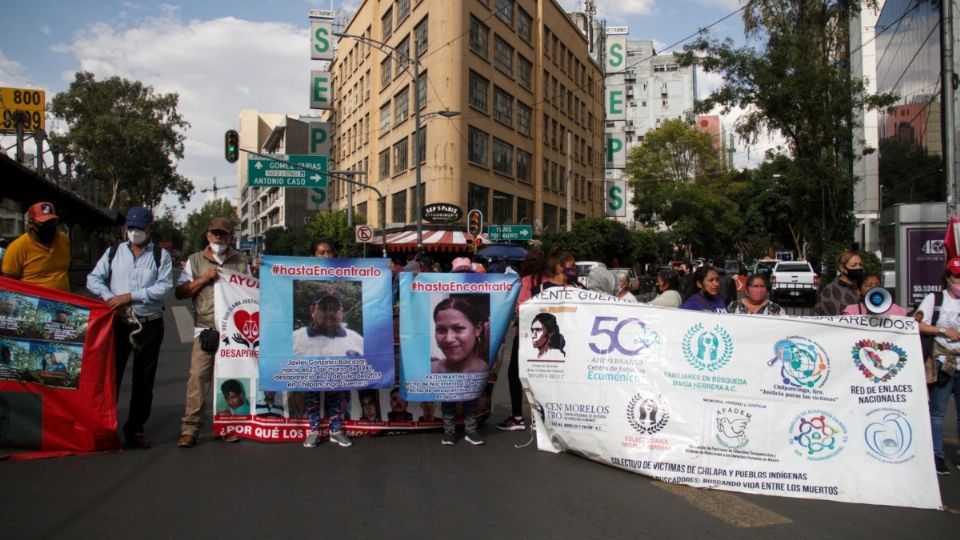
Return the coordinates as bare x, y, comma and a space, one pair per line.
950, 241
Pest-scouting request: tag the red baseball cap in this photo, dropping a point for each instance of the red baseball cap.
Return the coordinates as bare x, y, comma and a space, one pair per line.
954, 266
42, 212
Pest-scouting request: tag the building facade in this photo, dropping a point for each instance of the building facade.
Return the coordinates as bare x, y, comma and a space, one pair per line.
527, 144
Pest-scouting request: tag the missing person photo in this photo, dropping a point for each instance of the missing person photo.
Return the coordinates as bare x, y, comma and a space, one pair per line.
327, 318
461, 334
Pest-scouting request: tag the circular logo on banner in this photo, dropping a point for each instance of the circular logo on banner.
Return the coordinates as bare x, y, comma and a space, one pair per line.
803, 363
241, 324
890, 435
817, 435
878, 361
707, 350
732, 426
648, 414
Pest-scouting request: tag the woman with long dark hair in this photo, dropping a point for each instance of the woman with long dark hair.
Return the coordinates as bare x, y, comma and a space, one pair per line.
708, 297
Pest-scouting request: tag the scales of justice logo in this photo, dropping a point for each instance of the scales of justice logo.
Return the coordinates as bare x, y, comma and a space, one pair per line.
707, 350
803, 363
648, 414
246, 323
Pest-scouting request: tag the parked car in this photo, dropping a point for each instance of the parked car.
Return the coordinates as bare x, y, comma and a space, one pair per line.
794, 280
583, 270
731, 266
632, 279
764, 266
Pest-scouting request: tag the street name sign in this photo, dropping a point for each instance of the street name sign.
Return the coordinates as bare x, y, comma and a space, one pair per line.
509, 232
263, 172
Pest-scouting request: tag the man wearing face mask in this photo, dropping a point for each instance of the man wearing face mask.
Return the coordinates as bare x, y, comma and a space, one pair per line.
134, 278
42, 254
844, 290
196, 281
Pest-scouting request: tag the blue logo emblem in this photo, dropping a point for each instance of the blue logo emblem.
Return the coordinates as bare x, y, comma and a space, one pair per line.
707, 350
803, 363
889, 437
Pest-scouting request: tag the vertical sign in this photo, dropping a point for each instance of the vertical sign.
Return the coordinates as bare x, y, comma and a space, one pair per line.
319, 138
616, 54
616, 198
321, 42
616, 150
615, 105
925, 263
321, 90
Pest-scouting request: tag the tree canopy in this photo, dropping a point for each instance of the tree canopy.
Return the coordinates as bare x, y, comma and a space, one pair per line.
196, 228
127, 140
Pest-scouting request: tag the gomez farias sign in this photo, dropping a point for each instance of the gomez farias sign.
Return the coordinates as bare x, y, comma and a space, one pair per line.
442, 213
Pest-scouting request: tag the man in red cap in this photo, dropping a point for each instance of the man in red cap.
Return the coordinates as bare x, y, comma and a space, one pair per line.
42, 254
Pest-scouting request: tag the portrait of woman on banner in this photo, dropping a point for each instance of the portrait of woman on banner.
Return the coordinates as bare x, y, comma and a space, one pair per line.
546, 337
461, 325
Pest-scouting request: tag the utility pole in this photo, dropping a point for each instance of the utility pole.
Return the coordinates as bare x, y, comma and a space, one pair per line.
947, 79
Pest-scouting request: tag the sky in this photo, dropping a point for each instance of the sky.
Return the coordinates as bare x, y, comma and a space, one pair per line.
224, 56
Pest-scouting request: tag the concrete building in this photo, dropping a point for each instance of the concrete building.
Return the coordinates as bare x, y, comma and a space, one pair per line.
530, 104
866, 192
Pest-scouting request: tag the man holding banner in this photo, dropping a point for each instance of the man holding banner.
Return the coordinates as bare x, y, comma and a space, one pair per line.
134, 278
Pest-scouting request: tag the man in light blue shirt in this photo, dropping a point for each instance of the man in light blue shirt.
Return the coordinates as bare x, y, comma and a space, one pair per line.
134, 278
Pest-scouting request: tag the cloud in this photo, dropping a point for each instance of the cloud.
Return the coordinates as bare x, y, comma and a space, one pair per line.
730, 5
12, 73
613, 11
217, 67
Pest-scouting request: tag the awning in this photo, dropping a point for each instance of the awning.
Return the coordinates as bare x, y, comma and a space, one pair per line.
451, 241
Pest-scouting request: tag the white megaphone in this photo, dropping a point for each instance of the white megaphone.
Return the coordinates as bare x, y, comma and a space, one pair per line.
878, 300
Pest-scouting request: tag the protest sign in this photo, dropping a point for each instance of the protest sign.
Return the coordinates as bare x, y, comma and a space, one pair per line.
831, 408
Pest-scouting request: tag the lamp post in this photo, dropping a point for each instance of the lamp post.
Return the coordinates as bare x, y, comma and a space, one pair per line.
417, 123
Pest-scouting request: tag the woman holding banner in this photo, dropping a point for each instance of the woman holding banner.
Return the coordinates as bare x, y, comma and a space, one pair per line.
708, 298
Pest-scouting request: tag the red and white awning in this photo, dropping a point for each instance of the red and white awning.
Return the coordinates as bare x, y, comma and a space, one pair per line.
432, 240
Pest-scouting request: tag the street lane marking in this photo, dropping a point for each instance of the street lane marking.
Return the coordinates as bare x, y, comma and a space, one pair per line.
184, 322
726, 507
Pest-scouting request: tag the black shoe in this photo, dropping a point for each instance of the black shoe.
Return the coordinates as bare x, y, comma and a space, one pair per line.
138, 440
941, 464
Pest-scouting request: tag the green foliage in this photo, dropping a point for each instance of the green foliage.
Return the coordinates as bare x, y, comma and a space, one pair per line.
195, 231
594, 239
326, 225
166, 228
871, 263
675, 152
126, 138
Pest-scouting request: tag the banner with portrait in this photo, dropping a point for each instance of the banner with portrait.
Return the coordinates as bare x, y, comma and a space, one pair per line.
829, 408
327, 324
451, 328
243, 407
57, 390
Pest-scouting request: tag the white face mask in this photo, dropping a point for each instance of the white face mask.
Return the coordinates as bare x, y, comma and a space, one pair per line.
219, 249
137, 236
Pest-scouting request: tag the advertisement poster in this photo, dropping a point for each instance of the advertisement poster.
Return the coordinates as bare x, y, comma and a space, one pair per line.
832, 408
925, 263
243, 407
451, 328
327, 324
57, 390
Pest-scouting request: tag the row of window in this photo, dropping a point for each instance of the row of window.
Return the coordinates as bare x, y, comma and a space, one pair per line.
478, 197
568, 63
396, 160
555, 136
508, 12
503, 54
395, 111
401, 54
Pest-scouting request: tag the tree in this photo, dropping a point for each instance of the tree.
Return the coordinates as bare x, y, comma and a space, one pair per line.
674, 152
166, 228
196, 228
798, 84
331, 226
594, 239
127, 140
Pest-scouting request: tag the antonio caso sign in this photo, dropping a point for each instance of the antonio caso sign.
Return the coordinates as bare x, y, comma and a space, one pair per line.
442, 213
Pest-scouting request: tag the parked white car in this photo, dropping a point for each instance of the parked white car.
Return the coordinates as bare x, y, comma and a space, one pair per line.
794, 280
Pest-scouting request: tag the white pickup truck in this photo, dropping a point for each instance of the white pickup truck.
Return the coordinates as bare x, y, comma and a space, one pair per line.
794, 280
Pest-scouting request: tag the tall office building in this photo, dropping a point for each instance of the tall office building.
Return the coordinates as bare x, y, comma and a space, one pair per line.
529, 133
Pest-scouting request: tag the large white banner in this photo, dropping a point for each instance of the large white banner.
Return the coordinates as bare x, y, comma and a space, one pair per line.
813, 408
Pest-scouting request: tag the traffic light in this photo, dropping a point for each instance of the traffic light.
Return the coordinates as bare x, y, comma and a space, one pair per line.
231, 146
472, 244
474, 223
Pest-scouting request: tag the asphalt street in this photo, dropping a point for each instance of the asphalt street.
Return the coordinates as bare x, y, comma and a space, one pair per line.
399, 487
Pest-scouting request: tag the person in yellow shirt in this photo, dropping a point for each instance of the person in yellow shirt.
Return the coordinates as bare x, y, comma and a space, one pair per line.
42, 254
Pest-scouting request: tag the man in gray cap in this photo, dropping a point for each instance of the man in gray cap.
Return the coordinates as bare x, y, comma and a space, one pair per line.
134, 278
196, 281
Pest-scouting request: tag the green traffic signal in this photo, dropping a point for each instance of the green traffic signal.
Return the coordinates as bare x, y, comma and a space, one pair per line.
232, 146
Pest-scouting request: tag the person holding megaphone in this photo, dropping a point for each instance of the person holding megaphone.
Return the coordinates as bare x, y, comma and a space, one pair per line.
874, 300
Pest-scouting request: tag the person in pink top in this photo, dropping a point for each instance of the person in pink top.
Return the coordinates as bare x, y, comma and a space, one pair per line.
870, 281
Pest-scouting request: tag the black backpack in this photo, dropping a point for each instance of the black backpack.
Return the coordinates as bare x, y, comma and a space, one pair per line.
926, 342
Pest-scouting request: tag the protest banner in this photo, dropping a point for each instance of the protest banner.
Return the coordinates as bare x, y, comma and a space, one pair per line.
57, 372
340, 314
830, 408
451, 327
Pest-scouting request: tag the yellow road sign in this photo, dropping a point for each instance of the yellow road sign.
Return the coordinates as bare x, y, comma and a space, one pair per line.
29, 100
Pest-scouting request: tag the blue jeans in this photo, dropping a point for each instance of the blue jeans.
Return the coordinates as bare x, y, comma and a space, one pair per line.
939, 400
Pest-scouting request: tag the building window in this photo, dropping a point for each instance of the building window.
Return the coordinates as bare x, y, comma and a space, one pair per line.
545, 174
384, 119
546, 129
403, 9
400, 156
502, 157
421, 138
422, 91
401, 106
502, 56
549, 217
386, 72
398, 207
478, 92
524, 72
421, 35
384, 164
563, 179
524, 166
386, 23
524, 25
502, 106
524, 119
477, 198
478, 37
554, 184
563, 218
546, 87
478, 147
524, 210
504, 11
403, 55
502, 208
415, 202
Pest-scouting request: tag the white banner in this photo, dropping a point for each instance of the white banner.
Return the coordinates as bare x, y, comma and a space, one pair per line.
830, 409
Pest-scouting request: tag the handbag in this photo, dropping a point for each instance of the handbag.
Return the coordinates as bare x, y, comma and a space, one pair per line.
209, 340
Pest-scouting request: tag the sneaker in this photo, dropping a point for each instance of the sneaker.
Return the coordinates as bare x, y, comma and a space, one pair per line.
941, 464
474, 438
340, 438
449, 439
514, 423
313, 438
